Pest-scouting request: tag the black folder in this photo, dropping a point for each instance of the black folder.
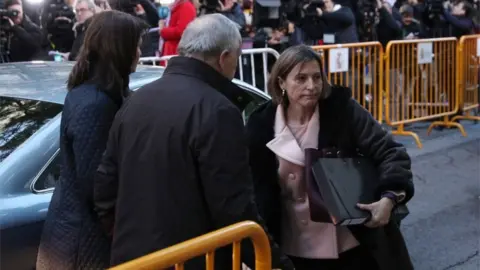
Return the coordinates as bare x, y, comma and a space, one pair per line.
344, 182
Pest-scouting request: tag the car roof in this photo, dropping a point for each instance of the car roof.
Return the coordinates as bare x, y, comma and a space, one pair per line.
46, 81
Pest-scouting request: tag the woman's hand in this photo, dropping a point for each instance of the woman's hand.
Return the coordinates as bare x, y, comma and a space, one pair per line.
380, 211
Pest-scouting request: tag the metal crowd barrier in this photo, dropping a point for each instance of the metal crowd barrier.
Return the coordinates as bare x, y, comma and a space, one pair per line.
420, 84
412, 81
360, 67
468, 83
246, 59
155, 61
250, 53
178, 254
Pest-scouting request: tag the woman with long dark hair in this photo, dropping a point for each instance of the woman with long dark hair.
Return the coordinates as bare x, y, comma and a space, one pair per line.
98, 84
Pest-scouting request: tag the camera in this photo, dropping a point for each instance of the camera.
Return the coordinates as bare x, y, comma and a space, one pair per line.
208, 6
5, 34
369, 17
4, 23
311, 9
8, 13
434, 8
58, 8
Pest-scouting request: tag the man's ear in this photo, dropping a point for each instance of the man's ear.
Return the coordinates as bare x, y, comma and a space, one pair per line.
223, 58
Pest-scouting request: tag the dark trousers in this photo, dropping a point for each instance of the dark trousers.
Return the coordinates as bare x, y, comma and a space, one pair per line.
354, 259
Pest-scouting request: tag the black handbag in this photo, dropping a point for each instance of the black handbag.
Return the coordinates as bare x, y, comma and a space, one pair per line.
336, 182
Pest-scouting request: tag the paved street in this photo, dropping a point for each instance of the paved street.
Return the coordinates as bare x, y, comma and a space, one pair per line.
443, 229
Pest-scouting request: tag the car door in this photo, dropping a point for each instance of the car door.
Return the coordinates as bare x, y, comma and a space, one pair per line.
20, 243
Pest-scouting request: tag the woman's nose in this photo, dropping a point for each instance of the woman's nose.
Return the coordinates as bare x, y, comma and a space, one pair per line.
310, 84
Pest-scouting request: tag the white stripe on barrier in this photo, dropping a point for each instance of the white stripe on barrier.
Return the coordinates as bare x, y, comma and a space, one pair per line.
153, 60
246, 52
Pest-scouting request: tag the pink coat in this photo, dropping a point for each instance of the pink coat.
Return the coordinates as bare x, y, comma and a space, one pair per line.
302, 237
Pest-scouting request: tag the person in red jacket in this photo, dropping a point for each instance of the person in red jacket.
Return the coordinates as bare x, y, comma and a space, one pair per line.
182, 12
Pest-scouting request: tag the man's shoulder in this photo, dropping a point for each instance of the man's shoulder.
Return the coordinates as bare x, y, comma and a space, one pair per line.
186, 90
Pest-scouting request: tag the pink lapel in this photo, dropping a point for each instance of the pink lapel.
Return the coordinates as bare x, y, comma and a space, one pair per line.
286, 146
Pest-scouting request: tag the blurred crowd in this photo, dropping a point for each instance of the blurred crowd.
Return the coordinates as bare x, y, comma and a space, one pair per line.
30, 31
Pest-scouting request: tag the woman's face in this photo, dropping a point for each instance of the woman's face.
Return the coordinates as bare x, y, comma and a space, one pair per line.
304, 84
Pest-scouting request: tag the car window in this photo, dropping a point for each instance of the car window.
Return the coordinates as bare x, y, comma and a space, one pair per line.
250, 108
49, 176
20, 119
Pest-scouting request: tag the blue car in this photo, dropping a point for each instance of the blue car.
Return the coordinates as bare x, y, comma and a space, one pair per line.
31, 102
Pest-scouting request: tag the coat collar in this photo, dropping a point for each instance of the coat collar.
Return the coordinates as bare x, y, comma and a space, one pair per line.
285, 145
195, 68
331, 112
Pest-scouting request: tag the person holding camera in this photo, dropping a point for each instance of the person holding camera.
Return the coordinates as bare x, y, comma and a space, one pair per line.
388, 28
310, 27
24, 35
57, 20
459, 16
340, 23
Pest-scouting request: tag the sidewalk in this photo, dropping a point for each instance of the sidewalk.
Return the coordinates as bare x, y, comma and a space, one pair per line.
438, 140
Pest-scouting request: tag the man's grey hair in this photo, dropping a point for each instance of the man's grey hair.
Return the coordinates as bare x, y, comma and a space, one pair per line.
210, 35
90, 3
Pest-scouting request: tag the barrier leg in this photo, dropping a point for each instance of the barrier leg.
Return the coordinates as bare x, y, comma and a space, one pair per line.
402, 132
467, 116
447, 123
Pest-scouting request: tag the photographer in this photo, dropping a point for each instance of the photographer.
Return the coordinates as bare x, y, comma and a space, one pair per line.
388, 28
310, 27
460, 18
340, 23
24, 35
58, 20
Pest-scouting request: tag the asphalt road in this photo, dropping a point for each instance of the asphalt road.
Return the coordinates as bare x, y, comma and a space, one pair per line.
443, 229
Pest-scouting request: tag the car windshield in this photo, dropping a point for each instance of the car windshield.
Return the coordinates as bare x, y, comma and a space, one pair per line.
20, 119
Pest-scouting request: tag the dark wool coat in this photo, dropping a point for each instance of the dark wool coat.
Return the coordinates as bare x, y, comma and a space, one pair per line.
176, 165
348, 127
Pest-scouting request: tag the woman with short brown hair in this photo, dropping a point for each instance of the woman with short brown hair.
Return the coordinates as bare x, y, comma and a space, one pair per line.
98, 84
307, 112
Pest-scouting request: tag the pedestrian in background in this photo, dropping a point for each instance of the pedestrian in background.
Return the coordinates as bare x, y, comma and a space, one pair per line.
182, 12
84, 10
98, 84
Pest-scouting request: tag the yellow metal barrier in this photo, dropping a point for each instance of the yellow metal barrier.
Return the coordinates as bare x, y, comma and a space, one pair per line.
420, 83
206, 244
360, 67
468, 69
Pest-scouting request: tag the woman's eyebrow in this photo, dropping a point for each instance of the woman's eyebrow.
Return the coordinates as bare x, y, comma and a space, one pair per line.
304, 73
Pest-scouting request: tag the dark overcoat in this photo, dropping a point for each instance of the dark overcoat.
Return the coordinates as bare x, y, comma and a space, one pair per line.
176, 165
349, 128
72, 236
